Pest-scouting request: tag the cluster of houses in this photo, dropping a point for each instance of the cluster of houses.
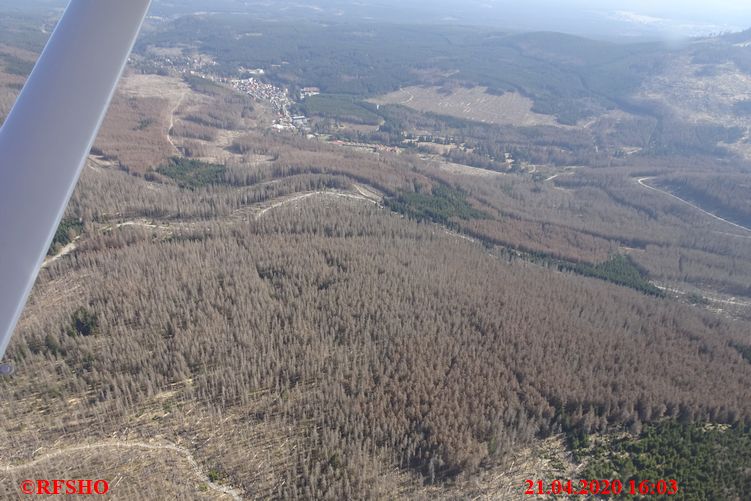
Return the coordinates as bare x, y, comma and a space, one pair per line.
278, 97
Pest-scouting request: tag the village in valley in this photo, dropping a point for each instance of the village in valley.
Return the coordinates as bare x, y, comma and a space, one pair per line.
250, 83
287, 115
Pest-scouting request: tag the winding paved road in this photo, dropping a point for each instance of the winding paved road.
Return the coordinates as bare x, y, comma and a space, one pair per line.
643, 182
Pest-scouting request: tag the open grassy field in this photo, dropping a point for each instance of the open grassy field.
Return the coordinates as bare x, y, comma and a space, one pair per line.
474, 104
141, 113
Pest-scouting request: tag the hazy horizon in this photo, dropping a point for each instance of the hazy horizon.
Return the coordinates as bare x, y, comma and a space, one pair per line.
617, 19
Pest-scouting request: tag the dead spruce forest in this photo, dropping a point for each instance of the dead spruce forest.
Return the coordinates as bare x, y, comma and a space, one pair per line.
233, 311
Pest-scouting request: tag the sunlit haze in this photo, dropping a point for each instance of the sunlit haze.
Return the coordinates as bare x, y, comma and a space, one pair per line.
616, 19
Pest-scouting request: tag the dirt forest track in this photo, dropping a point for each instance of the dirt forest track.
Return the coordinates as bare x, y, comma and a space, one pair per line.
171, 124
360, 193
110, 446
295, 198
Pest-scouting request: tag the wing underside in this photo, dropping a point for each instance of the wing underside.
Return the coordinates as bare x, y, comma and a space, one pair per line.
47, 136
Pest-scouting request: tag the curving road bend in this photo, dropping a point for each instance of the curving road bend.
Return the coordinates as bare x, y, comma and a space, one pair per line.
643, 182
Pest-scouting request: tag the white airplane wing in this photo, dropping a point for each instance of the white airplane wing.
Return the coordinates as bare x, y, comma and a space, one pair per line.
47, 136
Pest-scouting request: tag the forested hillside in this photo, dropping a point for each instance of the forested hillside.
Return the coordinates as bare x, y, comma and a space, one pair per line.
379, 302
370, 341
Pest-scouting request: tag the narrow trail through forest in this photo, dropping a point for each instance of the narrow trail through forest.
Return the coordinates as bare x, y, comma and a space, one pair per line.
172, 120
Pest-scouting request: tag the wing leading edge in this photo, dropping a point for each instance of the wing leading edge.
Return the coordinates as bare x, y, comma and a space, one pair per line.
48, 134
